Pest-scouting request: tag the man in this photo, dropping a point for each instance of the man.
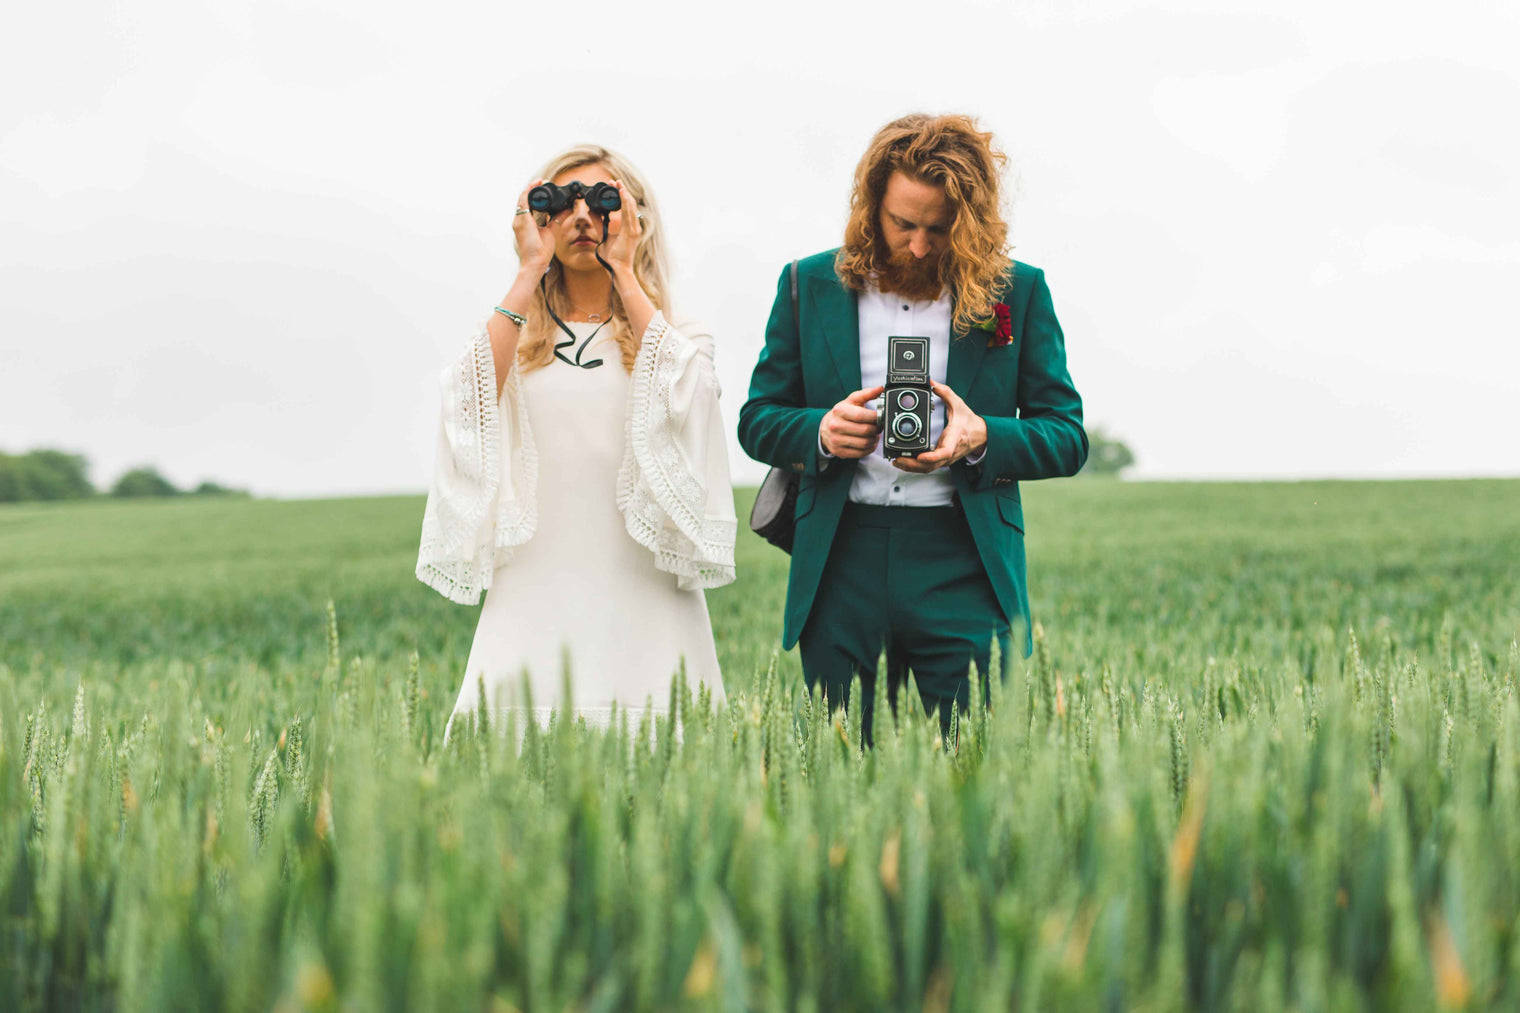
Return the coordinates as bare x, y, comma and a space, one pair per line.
922, 556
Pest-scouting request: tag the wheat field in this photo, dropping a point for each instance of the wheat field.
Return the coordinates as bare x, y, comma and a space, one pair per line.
1266, 756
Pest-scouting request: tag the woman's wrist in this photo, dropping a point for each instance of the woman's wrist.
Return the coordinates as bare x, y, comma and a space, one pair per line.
627, 283
639, 308
532, 270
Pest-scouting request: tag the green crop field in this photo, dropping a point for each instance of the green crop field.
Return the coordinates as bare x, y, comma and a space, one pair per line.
1265, 756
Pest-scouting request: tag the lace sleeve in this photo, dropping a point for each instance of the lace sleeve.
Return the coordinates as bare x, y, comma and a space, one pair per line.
482, 500
673, 488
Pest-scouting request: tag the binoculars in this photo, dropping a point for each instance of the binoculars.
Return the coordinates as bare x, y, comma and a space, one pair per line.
600, 198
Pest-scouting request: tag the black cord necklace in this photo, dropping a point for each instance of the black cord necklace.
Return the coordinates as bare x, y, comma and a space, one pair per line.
562, 325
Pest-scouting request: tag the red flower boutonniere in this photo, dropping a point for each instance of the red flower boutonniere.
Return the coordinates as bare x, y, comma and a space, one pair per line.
1002, 331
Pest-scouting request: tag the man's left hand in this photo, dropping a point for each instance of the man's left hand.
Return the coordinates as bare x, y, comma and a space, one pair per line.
965, 433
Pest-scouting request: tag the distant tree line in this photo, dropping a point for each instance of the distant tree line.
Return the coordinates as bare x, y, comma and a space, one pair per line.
57, 475
1106, 454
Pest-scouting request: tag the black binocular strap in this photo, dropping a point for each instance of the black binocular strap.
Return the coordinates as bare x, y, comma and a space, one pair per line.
543, 287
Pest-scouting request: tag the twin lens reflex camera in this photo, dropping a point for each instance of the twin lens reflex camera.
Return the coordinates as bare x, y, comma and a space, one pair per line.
905, 401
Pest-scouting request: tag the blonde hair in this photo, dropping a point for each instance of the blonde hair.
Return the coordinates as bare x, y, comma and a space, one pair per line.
536, 347
950, 152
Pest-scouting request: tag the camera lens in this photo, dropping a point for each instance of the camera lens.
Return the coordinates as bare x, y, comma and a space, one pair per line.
906, 426
907, 400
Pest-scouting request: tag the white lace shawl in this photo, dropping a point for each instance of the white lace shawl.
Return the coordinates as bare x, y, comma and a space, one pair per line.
673, 485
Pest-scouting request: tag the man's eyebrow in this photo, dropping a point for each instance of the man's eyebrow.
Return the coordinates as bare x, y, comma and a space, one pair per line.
900, 220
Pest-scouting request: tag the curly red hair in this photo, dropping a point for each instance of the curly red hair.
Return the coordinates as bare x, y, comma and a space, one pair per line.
952, 153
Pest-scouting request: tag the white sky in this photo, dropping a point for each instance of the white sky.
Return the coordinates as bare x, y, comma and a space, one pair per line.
239, 240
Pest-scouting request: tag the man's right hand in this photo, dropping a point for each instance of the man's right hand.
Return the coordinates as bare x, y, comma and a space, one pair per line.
850, 429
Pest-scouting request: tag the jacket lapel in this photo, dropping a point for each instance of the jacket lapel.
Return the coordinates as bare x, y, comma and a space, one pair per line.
967, 348
836, 316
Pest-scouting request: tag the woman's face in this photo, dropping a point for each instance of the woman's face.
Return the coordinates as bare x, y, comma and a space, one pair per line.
576, 230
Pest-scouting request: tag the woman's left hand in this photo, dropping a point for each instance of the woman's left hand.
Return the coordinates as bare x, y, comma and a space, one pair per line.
627, 229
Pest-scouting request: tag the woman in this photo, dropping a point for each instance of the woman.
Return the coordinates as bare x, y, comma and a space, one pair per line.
582, 475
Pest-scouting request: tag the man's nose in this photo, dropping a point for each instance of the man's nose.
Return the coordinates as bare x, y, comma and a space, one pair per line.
919, 245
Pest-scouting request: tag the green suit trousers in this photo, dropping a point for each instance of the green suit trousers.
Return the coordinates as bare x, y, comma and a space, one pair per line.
907, 582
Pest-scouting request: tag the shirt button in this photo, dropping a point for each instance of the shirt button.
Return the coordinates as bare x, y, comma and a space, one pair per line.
897, 488
905, 305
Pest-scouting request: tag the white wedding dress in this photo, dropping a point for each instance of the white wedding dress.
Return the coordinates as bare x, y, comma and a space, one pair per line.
592, 507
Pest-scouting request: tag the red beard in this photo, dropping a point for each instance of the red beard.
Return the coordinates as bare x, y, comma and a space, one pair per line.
914, 279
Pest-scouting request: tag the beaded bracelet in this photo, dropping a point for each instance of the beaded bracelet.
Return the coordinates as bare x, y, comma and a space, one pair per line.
516, 318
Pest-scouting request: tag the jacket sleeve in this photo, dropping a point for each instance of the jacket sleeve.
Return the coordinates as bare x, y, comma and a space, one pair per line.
482, 500
1045, 439
674, 489
776, 426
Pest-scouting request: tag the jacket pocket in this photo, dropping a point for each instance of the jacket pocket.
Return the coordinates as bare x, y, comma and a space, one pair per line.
1012, 511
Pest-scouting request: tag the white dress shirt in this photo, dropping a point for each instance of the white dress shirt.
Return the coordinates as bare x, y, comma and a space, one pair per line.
882, 315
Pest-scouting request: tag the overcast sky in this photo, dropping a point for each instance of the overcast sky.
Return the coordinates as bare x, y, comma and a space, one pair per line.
239, 240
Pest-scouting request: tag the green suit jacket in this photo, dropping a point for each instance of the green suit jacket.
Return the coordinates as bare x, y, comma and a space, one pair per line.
1022, 390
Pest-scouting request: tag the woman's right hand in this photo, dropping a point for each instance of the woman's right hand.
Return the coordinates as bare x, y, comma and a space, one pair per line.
535, 243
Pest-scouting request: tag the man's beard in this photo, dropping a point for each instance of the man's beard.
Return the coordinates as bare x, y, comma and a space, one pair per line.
906, 275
